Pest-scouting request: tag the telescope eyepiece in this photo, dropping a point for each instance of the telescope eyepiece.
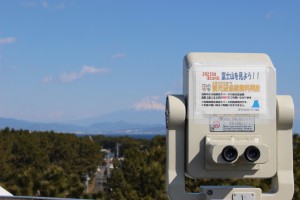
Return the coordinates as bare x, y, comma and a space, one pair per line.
229, 153
252, 153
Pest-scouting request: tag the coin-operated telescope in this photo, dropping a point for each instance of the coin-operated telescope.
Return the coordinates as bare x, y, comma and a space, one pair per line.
229, 123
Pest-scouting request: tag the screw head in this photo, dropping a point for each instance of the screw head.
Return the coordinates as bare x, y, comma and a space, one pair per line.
209, 192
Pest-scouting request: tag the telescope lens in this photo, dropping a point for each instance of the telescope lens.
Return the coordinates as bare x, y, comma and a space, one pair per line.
252, 153
229, 153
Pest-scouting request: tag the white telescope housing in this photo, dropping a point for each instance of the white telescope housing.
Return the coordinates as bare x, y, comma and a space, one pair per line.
229, 123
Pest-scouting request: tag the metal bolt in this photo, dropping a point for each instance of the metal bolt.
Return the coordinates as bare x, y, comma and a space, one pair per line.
209, 192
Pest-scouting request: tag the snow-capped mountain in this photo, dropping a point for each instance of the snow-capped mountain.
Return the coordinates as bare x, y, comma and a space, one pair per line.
147, 111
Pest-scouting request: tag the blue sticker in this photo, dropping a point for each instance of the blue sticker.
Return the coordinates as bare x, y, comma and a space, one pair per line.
255, 104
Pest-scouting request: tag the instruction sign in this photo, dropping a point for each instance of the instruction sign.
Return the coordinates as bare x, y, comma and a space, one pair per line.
230, 90
232, 124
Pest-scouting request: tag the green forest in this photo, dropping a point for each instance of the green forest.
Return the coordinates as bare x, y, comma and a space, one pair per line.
56, 165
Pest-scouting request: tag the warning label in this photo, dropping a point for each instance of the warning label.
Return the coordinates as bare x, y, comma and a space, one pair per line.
232, 123
230, 90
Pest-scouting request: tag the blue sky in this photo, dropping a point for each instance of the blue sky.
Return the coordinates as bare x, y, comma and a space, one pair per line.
64, 60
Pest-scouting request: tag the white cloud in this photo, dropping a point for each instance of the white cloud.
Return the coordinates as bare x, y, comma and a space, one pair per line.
69, 77
149, 103
119, 55
7, 40
93, 70
85, 70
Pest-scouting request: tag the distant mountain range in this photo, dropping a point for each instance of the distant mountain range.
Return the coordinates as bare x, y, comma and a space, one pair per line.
122, 122
129, 116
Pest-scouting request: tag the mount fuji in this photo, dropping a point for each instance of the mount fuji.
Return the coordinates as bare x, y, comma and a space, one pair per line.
147, 111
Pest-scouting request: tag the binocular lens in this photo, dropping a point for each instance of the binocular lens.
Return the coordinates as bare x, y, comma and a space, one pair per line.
252, 153
229, 153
